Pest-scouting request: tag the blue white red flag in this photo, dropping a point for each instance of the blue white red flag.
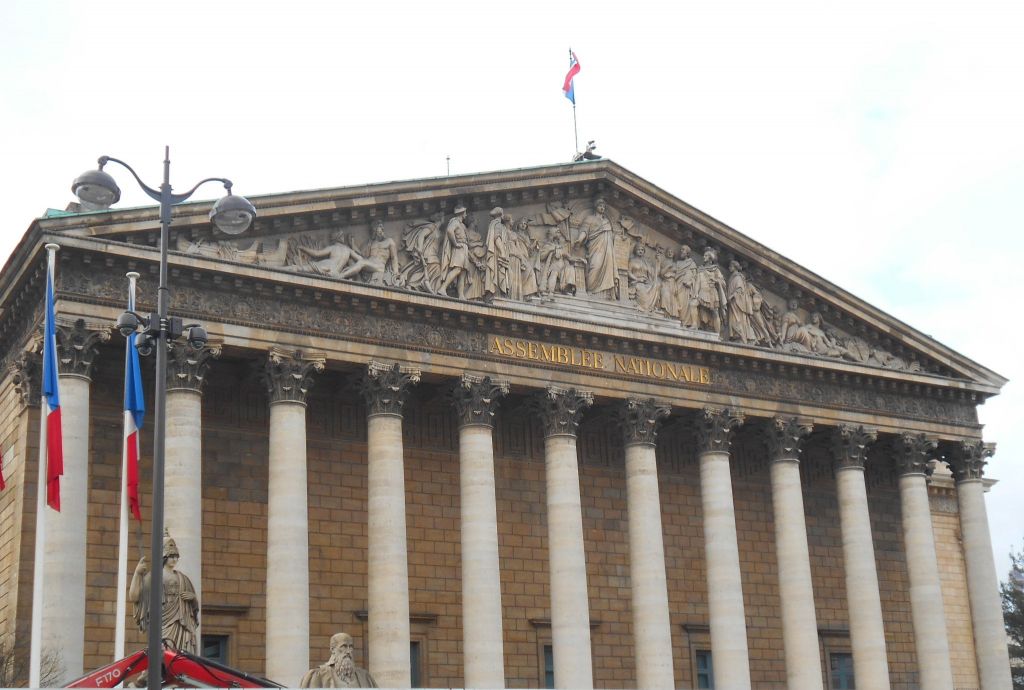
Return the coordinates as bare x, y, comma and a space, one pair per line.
134, 411
3, 484
574, 68
51, 397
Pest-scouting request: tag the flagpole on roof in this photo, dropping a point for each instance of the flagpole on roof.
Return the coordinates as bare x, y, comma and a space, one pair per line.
575, 130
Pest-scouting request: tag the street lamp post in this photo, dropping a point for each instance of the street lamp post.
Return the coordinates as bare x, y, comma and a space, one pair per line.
232, 215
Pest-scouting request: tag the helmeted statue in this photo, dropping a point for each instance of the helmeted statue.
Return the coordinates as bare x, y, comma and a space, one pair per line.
340, 671
179, 615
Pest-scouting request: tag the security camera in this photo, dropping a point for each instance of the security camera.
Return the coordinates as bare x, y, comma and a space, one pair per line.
197, 337
128, 323
145, 344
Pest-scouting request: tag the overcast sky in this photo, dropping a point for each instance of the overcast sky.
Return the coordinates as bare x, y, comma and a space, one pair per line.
880, 144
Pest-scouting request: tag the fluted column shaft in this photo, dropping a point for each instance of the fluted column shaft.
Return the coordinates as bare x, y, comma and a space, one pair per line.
867, 633
386, 388
796, 592
652, 629
65, 554
930, 639
570, 606
482, 638
721, 548
183, 483
64, 557
968, 463
288, 377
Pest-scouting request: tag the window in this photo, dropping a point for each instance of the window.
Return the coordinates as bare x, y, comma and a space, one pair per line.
215, 648
549, 666
415, 664
841, 671
705, 670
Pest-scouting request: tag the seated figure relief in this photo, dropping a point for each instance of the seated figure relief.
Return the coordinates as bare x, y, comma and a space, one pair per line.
574, 248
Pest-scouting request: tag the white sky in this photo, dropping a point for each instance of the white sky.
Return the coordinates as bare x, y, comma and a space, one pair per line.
880, 144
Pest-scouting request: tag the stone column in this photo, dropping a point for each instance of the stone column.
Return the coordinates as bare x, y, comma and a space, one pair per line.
867, 634
721, 549
560, 412
799, 622
930, 640
967, 460
183, 481
386, 388
652, 630
64, 569
288, 377
476, 400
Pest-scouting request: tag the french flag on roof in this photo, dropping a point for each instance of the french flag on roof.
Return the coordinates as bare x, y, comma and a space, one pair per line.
134, 411
574, 69
51, 397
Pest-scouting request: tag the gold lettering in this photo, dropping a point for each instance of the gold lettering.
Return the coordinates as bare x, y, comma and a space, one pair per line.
496, 346
547, 352
660, 375
647, 366
574, 353
705, 375
531, 351
620, 364
510, 351
685, 374
520, 349
587, 362
562, 354
673, 373
598, 360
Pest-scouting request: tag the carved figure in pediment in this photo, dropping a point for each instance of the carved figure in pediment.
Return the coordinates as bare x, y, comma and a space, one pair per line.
528, 241
496, 278
741, 306
644, 283
813, 337
277, 257
228, 251
337, 260
522, 272
790, 323
381, 252
477, 264
626, 235
763, 318
668, 298
598, 240
686, 295
710, 293
421, 239
558, 265
455, 253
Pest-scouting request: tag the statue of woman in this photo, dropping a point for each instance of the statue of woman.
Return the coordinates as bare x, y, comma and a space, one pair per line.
179, 615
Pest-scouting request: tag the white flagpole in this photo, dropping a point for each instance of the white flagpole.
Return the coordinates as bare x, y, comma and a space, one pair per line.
36, 650
122, 540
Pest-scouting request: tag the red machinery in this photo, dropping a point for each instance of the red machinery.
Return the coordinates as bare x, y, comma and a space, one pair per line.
181, 670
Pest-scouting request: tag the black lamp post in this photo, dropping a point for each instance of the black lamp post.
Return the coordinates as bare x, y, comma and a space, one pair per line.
232, 215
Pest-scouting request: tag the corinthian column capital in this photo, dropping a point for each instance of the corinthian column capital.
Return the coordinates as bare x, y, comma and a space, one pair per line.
187, 366
26, 373
913, 453
714, 429
560, 409
476, 399
77, 347
288, 374
850, 445
640, 419
786, 436
967, 459
386, 387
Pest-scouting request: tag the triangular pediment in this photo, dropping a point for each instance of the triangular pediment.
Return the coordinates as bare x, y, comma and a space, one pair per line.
587, 241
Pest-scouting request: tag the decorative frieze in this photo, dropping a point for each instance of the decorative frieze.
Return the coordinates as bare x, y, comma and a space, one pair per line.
26, 373
386, 387
77, 345
850, 445
913, 453
288, 375
187, 366
785, 437
714, 429
476, 399
967, 459
640, 418
560, 410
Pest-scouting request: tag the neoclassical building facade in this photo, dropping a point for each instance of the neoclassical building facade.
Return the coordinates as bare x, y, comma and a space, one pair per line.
549, 427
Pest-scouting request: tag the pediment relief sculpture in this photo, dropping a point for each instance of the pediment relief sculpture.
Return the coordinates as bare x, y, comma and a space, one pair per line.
574, 248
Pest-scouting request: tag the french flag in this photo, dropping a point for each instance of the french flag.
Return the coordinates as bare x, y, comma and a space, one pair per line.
54, 452
574, 69
134, 411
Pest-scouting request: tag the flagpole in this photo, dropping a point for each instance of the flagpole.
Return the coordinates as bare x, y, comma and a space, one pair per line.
575, 131
36, 648
122, 541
